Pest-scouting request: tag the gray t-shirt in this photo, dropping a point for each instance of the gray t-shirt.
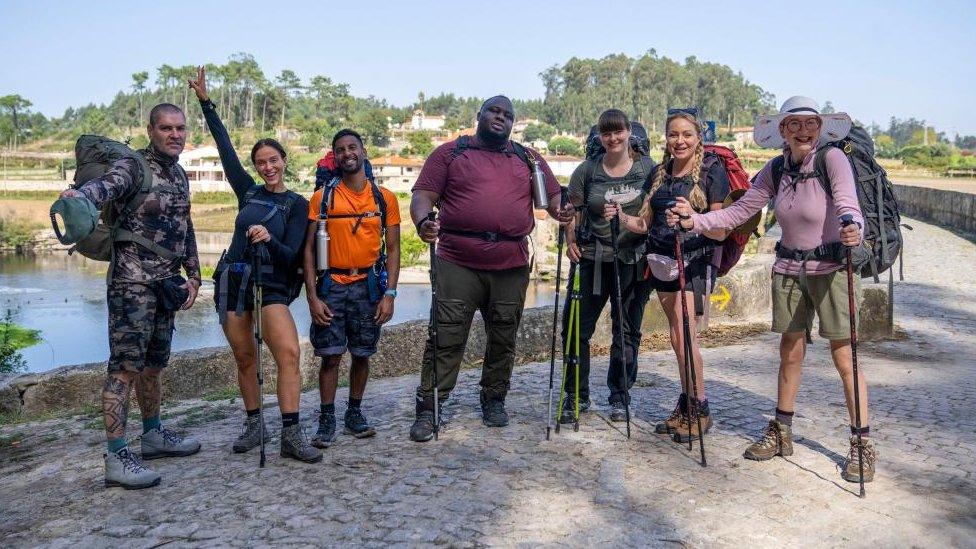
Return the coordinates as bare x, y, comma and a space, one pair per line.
597, 180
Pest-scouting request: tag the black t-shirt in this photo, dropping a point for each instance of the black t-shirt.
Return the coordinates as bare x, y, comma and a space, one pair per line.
660, 237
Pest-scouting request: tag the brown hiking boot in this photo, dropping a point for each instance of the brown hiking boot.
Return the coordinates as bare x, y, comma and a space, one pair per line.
669, 425
688, 427
777, 440
850, 471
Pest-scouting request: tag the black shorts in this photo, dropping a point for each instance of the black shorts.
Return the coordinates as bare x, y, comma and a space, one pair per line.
271, 295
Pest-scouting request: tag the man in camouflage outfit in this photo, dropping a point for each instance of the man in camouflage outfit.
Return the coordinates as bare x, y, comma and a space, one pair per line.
140, 320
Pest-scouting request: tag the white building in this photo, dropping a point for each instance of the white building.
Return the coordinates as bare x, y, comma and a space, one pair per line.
422, 121
396, 172
204, 171
563, 165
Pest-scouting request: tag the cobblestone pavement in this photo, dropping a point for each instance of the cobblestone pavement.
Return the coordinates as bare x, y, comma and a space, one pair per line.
480, 486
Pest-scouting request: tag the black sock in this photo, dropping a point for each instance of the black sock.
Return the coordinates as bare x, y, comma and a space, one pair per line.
683, 402
355, 402
289, 419
252, 413
327, 408
786, 418
865, 431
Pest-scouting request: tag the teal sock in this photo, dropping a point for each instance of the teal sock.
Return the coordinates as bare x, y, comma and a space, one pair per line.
150, 424
115, 444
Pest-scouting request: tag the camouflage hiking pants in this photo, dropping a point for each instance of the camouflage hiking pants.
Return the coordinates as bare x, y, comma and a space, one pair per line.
139, 330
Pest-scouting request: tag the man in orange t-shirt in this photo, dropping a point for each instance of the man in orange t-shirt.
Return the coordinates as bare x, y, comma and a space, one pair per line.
348, 303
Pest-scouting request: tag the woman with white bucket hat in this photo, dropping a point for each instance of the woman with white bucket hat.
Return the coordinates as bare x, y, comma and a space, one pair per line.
808, 276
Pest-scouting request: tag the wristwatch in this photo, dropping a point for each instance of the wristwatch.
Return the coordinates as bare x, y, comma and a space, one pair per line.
391, 292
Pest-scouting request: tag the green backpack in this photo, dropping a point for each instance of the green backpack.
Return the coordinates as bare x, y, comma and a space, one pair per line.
94, 156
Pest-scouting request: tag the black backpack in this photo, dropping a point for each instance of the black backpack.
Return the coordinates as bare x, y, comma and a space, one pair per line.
638, 141
297, 278
875, 195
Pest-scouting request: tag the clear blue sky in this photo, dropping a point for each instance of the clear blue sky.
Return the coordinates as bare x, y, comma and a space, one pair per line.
873, 59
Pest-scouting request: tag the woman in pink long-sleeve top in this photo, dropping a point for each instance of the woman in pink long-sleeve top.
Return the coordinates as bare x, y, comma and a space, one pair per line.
808, 275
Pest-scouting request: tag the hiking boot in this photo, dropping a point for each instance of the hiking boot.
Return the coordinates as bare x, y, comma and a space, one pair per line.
850, 471
250, 435
326, 433
161, 442
776, 440
422, 429
294, 445
569, 415
124, 469
670, 425
356, 424
689, 424
618, 412
493, 412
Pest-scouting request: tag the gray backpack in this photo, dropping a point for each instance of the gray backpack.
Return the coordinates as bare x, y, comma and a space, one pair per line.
94, 156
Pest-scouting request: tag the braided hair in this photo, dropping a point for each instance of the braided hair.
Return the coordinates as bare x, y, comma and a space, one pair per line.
697, 196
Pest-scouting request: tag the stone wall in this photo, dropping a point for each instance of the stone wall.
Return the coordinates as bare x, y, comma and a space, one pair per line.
951, 209
743, 295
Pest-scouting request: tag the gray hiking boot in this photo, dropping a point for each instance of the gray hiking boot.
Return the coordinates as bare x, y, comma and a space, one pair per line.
618, 412
851, 472
326, 433
422, 429
161, 442
294, 444
356, 424
493, 412
250, 435
776, 440
125, 469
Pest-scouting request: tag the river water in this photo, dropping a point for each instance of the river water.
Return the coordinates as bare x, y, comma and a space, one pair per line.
64, 298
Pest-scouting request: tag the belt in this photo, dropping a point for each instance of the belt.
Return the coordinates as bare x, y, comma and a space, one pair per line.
350, 272
487, 236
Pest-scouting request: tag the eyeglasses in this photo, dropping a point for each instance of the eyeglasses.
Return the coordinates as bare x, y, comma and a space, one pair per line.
794, 124
693, 111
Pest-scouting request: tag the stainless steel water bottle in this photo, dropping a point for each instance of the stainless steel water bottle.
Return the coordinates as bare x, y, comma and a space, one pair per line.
540, 199
321, 247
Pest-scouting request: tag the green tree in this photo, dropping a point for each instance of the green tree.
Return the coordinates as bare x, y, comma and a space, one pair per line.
374, 126
565, 145
16, 106
420, 143
139, 86
535, 132
966, 142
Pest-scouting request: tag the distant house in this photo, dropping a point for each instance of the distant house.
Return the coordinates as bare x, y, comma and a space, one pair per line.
423, 121
563, 165
396, 172
742, 136
203, 170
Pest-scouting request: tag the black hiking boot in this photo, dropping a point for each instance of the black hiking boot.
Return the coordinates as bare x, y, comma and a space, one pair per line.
422, 429
356, 424
493, 411
326, 433
569, 415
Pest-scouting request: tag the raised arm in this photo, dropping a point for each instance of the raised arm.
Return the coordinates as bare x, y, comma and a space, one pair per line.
239, 179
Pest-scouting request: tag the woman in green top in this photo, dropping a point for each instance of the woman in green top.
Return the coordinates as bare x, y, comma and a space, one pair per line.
623, 170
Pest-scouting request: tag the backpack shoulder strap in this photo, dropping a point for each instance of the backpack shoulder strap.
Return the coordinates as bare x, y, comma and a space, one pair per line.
380, 203
522, 153
776, 172
462, 144
249, 195
820, 168
132, 204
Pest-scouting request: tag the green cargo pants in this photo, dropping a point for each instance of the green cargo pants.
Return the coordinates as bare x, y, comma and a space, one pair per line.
500, 296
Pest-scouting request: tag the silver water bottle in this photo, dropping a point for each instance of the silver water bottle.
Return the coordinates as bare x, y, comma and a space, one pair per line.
540, 199
321, 247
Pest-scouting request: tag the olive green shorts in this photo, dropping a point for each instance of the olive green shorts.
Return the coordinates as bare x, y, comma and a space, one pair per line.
827, 298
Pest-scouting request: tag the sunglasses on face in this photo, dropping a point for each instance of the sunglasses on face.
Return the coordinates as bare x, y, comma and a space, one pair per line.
794, 125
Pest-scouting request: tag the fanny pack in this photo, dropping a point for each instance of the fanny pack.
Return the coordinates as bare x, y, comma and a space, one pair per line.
662, 267
171, 293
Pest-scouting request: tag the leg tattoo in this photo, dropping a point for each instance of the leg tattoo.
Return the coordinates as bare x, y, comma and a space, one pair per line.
115, 405
149, 392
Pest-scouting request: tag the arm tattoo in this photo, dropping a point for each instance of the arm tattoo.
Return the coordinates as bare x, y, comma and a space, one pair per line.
115, 406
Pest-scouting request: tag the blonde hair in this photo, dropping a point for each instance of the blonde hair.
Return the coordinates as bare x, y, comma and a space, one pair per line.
697, 196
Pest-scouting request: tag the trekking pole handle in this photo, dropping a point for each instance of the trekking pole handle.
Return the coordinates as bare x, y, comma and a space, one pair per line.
846, 220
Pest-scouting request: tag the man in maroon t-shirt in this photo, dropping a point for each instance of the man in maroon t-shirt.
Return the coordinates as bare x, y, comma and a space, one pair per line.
482, 188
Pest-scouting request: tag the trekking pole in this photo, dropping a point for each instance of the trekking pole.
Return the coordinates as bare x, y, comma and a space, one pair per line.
618, 300
852, 315
555, 314
257, 252
689, 355
432, 217
571, 353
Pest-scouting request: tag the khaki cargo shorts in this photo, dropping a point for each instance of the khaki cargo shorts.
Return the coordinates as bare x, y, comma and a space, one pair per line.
826, 297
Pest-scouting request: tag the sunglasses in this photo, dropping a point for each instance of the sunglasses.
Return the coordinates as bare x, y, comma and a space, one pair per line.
693, 111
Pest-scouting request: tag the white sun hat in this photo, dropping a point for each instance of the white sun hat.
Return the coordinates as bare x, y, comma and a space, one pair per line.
833, 127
